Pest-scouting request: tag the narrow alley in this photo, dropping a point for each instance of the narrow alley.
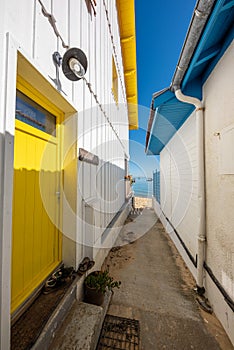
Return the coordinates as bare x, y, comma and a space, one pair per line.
158, 290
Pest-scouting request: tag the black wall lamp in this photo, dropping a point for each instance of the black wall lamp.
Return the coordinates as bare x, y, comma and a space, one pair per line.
74, 64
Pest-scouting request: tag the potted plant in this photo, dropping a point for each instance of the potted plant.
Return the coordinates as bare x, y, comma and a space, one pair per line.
96, 284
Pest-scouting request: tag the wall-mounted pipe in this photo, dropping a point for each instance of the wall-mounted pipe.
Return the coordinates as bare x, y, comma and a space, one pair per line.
201, 185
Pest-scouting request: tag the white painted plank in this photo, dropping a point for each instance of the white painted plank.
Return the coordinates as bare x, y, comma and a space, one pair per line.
60, 13
179, 183
45, 41
19, 19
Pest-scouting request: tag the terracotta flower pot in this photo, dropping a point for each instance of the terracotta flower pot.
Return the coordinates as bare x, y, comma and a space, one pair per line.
96, 284
92, 296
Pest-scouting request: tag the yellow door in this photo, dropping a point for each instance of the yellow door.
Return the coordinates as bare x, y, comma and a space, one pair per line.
36, 249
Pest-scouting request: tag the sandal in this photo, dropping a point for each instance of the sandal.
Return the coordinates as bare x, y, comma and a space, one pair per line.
85, 265
50, 283
49, 289
58, 279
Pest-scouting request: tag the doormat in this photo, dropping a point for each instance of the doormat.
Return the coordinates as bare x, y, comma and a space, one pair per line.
119, 333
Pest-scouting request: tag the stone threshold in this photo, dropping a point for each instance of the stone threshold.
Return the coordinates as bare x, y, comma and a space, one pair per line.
73, 324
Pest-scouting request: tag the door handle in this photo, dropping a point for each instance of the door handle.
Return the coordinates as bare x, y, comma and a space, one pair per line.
57, 194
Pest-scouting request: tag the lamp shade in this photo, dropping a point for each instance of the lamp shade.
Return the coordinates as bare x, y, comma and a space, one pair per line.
74, 55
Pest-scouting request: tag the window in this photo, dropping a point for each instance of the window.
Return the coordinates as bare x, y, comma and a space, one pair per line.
33, 114
114, 81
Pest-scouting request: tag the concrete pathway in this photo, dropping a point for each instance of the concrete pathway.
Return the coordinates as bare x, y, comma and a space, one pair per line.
157, 289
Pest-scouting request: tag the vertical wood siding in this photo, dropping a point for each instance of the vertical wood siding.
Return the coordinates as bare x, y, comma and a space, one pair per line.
178, 162
108, 139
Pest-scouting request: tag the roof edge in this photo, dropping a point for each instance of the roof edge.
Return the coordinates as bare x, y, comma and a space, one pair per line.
152, 115
201, 14
150, 122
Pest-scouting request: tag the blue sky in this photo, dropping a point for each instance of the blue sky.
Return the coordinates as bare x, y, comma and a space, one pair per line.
161, 27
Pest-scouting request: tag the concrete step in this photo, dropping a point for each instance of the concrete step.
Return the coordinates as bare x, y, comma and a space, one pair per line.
82, 326
74, 324
73, 293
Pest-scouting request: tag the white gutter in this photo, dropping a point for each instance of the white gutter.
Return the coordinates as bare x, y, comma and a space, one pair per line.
201, 14
201, 238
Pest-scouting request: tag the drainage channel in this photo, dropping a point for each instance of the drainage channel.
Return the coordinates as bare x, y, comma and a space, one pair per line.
119, 333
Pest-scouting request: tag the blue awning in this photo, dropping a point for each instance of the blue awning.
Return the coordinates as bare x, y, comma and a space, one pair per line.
170, 114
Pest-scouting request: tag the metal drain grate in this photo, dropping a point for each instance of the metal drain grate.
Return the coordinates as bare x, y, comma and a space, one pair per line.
119, 333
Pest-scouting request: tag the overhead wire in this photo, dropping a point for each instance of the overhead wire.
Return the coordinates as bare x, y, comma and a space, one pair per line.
114, 48
52, 22
102, 110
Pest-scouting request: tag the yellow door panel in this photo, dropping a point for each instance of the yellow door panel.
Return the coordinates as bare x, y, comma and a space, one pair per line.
36, 242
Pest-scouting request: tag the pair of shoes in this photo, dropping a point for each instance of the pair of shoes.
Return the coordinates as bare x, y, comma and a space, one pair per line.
53, 285
85, 265
63, 272
58, 279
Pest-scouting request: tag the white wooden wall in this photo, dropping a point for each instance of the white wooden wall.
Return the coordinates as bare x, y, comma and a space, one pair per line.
178, 180
105, 134
93, 193
102, 187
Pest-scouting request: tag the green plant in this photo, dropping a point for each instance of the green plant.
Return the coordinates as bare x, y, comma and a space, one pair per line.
101, 280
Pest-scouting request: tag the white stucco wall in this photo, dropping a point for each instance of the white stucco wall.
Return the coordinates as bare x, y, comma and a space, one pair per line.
219, 106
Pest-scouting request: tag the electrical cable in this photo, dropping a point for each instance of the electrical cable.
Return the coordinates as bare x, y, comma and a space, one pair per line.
114, 49
52, 22
103, 111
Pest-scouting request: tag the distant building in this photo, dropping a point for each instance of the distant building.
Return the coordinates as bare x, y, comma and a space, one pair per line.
191, 126
63, 144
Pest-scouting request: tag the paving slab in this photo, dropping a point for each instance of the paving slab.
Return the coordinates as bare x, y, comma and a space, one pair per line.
82, 326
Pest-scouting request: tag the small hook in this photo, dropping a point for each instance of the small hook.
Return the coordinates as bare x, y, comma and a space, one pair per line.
217, 134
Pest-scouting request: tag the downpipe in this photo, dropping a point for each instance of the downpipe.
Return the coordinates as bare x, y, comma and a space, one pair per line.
201, 238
